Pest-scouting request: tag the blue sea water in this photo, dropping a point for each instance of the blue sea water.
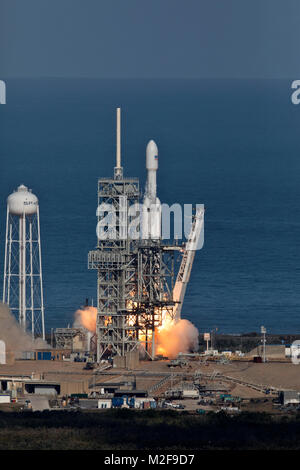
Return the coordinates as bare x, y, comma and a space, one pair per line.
233, 145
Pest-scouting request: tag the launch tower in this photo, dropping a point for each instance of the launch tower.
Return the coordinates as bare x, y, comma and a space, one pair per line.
135, 274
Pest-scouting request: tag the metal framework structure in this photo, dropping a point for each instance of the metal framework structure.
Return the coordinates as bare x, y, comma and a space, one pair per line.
64, 337
135, 287
188, 256
23, 282
135, 278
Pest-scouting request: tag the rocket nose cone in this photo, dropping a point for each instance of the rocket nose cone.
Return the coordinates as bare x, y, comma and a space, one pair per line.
151, 156
152, 147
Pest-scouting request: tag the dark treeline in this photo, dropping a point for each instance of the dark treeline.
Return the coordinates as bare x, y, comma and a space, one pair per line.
134, 430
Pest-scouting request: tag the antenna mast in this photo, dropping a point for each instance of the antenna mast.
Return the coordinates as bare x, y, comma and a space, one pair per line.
118, 168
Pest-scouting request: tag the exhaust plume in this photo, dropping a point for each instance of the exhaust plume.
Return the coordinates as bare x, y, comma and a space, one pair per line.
175, 337
14, 337
86, 317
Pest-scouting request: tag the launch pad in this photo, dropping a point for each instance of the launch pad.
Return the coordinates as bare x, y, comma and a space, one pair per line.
136, 275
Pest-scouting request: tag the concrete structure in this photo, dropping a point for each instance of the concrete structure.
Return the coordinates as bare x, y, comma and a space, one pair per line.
38, 403
272, 351
2, 352
129, 361
71, 387
23, 282
119, 362
132, 359
48, 390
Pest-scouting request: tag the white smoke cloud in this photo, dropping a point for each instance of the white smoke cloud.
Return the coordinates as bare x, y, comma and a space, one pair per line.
14, 337
175, 337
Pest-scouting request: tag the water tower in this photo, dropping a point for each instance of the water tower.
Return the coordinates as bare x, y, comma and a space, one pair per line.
23, 283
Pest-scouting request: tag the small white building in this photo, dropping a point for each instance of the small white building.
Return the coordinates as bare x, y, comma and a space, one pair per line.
211, 352
287, 351
104, 403
191, 393
4, 398
288, 397
239, 353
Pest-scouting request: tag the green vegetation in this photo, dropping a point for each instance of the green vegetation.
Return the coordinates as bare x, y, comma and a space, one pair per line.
153, 429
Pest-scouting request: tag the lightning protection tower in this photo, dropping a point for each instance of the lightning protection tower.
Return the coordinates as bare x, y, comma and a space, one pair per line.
23, 283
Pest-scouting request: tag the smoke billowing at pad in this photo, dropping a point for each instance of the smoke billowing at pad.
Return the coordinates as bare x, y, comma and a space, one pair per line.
171, 338
15, 338
175, 337
86, 317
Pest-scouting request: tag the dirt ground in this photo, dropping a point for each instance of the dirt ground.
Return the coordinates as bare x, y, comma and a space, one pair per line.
284, 376
50, 370
27, 367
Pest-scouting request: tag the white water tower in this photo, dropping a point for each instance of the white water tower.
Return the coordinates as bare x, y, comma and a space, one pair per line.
23, 283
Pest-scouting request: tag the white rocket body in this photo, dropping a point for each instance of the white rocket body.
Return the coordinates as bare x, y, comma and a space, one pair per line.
151, 215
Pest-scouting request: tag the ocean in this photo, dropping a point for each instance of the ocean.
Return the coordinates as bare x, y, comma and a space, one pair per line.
233, 145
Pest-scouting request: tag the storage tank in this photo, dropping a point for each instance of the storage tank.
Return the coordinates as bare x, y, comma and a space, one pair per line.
22, 201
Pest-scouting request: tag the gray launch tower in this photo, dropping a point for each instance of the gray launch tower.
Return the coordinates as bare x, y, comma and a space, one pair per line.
135, 276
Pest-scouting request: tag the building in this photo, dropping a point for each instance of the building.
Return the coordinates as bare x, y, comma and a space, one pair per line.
23, 385
104, 403
74, 339
288, 397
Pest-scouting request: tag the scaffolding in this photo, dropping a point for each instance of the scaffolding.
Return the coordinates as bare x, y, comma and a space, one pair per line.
135, 277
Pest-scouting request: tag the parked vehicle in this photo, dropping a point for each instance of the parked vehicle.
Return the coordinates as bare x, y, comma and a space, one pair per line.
89, 366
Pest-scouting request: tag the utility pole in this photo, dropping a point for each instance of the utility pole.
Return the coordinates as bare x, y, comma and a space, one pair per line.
263, 332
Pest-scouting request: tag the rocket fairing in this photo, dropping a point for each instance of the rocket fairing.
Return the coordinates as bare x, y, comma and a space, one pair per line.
151, 215
151, 167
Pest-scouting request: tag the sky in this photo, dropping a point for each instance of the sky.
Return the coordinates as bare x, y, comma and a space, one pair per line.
150, 38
